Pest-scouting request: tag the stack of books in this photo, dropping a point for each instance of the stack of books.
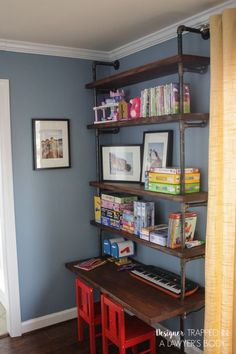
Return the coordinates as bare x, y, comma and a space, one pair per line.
174, 228
153, 233
167, 180
112, 207
163, 99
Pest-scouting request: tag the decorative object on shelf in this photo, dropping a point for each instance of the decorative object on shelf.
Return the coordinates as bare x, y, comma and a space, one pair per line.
121, 251
124, 110
107, 243
121, 163
174, 228
51, 144
135, 108
157, 150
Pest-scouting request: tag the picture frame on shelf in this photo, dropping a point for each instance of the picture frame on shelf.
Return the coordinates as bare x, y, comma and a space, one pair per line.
157, 150
121, 163
51, 143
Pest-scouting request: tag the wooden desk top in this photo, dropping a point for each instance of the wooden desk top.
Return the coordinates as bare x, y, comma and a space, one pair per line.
144, 301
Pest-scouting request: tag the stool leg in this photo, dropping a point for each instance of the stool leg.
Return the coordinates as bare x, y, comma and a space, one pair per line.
135, 349
122, 350
92, 339
104, 345
80, 329
153, 344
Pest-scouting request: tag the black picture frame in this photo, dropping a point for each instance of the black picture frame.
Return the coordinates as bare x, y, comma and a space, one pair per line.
157, 150
121, 163
51, 143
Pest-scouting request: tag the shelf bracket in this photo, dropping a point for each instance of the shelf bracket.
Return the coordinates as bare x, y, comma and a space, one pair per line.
195, 204
195, 124
110, 131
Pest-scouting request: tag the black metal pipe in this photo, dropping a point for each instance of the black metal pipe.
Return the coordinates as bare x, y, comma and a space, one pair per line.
115, 64
204, 31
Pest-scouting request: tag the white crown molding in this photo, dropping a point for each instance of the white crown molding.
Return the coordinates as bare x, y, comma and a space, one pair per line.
168, 32
142, 43
52, 50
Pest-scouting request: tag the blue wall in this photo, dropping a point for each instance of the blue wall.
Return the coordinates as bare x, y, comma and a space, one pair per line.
52, 207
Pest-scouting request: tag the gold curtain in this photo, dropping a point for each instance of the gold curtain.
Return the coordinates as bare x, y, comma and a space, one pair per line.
220, 274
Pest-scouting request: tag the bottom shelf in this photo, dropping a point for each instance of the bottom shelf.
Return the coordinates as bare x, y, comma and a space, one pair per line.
144, 301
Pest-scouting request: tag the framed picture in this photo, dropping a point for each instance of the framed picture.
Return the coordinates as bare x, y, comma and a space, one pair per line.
157, 150
51, 143
121, 163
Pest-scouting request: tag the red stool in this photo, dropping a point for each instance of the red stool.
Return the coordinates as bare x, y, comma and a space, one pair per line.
88, 312
124, 332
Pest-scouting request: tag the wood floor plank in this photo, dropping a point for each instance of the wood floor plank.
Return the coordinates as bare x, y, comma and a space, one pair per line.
57, 339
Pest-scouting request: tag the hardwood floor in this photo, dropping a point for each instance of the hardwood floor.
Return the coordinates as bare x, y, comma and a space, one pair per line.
57, 339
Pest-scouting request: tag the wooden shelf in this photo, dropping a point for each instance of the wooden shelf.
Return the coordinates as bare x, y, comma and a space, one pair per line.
163, 67
149, 304
168, 118
138, 189
187, 253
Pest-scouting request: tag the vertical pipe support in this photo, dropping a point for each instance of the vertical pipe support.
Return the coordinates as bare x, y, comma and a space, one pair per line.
182, 332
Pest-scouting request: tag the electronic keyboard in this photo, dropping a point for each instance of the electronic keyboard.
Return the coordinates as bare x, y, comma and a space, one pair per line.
168, 282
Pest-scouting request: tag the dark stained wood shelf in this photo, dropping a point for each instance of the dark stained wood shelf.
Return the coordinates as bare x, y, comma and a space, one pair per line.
187, 253
138, 189
144, 301
159, 68
168, 118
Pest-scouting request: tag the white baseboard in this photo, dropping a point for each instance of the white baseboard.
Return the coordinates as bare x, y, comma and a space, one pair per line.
48, 320
174, 339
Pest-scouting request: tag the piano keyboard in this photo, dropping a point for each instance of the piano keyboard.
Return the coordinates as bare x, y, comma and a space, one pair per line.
166, 281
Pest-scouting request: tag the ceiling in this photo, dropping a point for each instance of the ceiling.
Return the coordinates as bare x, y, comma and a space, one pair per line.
102, 25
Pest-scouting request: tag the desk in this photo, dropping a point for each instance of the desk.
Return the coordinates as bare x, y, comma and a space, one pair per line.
144, 301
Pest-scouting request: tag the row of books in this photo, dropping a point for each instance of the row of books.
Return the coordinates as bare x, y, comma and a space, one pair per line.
124, 212
167, 180
163, 99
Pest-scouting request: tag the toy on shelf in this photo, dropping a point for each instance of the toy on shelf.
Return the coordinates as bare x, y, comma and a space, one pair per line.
124, 110
108, 110
121, 251
135, 108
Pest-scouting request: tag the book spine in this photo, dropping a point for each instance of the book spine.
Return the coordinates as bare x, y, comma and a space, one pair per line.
175, 170
97, 209
172, 178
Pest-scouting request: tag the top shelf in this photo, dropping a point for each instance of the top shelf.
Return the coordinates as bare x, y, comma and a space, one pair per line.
163, 67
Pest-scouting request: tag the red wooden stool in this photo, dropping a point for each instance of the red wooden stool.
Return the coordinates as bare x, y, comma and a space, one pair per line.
124, 332
88, 312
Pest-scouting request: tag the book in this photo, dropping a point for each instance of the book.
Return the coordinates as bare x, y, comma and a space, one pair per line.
175, 170
171, 188
118, 198
174, 229
90, 264
171, 178
97, 208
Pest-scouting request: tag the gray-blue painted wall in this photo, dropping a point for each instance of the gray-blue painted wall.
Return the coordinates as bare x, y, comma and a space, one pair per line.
53, 207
